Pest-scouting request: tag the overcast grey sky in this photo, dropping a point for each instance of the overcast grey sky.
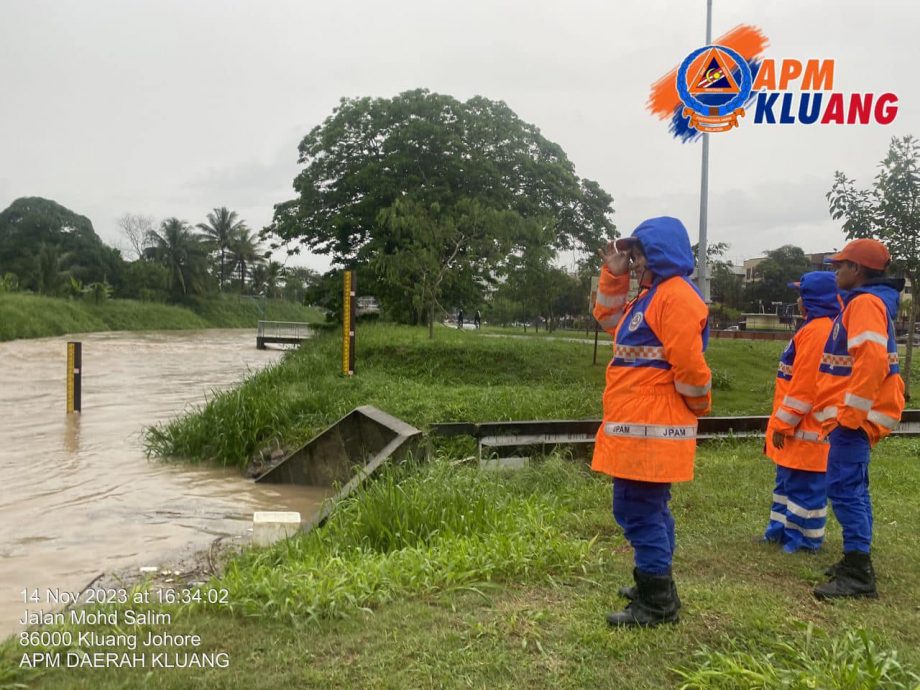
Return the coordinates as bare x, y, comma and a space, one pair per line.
174, 107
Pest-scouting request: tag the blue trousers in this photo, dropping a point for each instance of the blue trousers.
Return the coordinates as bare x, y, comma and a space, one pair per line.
799, 512
848, 486
641, 509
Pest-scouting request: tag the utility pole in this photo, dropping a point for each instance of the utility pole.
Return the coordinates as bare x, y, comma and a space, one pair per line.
702, 275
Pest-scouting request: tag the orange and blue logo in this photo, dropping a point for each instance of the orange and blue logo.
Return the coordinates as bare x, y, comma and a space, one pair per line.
714, 83
717, 87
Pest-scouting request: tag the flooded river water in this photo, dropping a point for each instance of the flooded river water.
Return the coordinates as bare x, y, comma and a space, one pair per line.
78, 497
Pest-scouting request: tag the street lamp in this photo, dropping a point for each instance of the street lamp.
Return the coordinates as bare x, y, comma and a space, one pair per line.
702, 259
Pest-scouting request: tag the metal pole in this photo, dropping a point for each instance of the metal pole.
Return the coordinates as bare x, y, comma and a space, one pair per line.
596, 331
348, 324
74, 376
702, 259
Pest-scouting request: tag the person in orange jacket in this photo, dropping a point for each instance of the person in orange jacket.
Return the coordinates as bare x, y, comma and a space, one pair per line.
799, 511
860, 399
658, 383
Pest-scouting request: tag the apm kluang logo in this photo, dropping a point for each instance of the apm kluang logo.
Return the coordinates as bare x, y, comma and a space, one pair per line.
715, 94
715, 88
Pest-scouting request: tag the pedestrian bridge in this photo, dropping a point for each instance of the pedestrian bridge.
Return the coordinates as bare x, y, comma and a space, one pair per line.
282, 332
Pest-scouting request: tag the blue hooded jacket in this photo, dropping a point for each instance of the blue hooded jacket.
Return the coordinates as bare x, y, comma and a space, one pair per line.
886, 289
819, 293
666, 246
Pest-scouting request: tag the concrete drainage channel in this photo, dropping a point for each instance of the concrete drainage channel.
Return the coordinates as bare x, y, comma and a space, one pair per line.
345, 455
361, 442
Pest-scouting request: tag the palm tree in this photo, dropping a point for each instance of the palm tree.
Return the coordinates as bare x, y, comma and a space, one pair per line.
221, 226
183, 254
245, 252
274, 275
258, 280
297, 279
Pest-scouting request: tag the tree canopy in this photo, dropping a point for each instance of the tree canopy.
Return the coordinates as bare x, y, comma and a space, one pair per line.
782, 266
222, 227
45, 244
888, 211
429, 191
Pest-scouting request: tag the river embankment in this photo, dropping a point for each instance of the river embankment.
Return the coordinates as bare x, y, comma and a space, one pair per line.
442, 575
35, 316
80, 497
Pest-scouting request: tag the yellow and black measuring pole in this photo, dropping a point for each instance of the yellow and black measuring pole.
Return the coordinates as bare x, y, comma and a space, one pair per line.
74, 373
348, 324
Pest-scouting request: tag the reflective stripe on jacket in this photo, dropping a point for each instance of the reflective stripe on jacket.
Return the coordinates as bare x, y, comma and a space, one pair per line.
794, 399
859, 384
658, 382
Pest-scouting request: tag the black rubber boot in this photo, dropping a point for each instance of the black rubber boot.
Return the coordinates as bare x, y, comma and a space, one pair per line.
655, 603
629, 592
831, 570
854, 576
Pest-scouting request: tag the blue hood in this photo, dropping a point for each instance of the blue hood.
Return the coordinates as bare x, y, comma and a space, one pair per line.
887, 289
666, 246
819, 293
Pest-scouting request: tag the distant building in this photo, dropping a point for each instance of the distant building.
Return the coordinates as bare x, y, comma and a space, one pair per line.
815, 263
749, 266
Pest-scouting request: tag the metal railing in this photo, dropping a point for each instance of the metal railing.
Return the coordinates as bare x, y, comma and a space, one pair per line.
283, 332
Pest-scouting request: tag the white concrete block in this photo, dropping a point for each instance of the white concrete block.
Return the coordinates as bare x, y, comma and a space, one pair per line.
509, 463
269, 527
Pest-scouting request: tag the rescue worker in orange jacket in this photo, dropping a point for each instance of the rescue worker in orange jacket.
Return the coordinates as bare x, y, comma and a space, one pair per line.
658, 383
859, 402
794, 443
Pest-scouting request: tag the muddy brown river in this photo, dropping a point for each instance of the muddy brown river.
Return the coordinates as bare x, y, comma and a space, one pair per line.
78, 497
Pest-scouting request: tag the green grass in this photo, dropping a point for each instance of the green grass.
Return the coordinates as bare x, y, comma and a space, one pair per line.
458, 376
441, 576
810, 660
33, 316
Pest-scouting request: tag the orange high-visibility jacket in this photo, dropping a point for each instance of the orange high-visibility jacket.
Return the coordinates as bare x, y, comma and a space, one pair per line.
658, 382
794, 400
859, 384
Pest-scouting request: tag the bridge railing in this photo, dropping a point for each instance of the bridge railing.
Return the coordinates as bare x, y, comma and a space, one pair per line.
292, 330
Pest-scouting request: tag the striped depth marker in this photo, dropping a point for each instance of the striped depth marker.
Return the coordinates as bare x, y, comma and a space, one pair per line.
74, 373
348, 325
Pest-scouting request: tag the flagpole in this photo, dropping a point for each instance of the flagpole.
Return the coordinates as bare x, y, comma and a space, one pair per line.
702, 258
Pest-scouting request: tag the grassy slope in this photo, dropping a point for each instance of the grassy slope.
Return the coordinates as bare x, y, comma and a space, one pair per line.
450, 578
33, 316
459, 376
531, 615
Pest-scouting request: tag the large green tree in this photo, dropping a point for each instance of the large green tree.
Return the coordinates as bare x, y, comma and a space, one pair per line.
888, 211
44, 244
772, 276
433, 192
